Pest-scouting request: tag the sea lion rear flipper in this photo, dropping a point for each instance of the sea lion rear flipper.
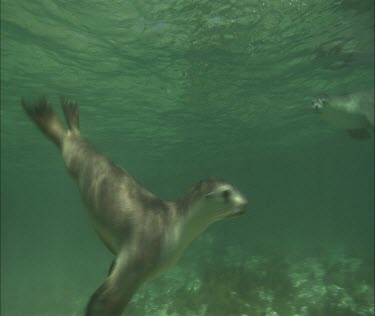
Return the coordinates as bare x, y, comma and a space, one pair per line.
70, 109
42, 115
359, 133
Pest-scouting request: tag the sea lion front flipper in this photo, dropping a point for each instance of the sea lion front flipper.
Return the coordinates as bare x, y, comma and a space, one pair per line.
359, 133
111, 298
111, 267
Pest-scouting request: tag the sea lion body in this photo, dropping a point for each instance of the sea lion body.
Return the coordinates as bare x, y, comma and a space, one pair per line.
353, 113
113, 197
145, 233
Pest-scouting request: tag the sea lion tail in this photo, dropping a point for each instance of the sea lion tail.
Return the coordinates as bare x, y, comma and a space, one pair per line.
70, 109
42, 115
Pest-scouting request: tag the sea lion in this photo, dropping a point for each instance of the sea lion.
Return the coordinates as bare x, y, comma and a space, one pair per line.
145, 233
353, 113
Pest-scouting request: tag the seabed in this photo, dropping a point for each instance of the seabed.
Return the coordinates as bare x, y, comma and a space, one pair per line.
260, 284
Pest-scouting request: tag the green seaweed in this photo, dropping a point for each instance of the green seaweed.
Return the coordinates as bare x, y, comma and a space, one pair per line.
228, 289
262, 284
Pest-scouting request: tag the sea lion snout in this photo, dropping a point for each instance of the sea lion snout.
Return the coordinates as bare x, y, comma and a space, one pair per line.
241, 204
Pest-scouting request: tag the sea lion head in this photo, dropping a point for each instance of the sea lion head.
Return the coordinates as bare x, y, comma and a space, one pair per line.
214, 199
319, 103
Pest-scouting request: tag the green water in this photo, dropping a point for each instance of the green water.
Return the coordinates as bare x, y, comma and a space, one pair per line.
177, 91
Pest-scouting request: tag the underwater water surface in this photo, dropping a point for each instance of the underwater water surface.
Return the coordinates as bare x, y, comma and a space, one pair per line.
175, 92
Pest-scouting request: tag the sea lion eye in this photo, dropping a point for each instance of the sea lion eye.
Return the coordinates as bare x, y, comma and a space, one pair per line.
225, 194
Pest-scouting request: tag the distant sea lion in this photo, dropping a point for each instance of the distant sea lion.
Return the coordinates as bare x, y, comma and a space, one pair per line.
353, 113
145, 233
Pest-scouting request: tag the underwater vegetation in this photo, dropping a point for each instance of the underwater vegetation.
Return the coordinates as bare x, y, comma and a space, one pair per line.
262, 284
246, 289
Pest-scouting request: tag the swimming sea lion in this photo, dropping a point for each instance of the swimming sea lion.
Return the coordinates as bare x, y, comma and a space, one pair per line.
145, 233
353, 113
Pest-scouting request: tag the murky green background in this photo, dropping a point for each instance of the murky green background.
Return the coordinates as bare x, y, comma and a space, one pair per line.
176, 91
